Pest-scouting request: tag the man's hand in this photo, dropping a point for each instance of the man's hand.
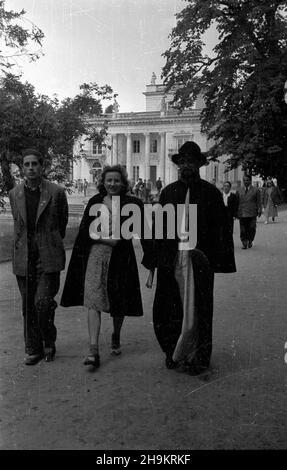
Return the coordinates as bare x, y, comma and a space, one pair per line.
149, 280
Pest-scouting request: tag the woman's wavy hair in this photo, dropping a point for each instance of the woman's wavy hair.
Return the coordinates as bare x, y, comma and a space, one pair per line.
124, 177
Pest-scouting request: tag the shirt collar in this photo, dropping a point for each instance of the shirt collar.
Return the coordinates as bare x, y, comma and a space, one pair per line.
40, 186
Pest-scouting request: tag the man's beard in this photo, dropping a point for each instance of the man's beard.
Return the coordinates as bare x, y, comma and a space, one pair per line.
188, 174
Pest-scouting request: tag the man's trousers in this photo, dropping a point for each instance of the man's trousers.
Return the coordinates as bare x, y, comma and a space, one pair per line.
247, 229
38, 290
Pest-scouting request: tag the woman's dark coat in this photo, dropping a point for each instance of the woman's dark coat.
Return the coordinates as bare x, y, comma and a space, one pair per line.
214, 253
123, 280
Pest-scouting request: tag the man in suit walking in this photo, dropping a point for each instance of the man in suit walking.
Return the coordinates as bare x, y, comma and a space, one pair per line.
249, 208
40, 213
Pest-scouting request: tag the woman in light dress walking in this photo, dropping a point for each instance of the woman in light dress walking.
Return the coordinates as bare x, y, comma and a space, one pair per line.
271, 199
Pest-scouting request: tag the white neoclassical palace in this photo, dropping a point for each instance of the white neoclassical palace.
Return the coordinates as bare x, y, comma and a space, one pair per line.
144, 141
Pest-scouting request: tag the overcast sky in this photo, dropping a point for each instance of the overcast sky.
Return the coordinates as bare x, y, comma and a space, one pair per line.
118, 42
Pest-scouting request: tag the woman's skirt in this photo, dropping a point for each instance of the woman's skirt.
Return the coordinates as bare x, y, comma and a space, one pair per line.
96, 280
271, 210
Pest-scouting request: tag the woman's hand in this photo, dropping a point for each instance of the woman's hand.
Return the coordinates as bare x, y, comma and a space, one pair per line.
149, 280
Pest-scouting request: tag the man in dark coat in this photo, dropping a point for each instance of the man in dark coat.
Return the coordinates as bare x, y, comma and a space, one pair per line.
249, 208
214, 253
40, 213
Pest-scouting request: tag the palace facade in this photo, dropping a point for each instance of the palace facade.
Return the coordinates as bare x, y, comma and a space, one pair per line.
143, 142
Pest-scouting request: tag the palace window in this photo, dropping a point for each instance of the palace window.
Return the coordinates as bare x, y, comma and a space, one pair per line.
181, 141
136, 146
136, 172
97, 148
153, 146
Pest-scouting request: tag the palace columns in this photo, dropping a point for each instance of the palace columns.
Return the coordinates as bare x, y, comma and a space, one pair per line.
161, 169
77, 164
147, 155
115, 150
129, 155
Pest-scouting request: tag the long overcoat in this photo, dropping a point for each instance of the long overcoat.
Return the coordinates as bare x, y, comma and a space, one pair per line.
214, 253
123, 279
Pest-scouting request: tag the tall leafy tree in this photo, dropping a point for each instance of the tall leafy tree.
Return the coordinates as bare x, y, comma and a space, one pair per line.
28, 119
242, 80
19, 38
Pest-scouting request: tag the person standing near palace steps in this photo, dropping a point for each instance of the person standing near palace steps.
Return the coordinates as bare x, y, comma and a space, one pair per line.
183, 304
40, 213
249, 208
158, 185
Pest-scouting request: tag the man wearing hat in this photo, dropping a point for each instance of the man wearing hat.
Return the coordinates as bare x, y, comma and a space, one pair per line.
183, 304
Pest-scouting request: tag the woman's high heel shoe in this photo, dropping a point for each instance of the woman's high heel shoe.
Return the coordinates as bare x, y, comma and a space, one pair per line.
93, 358
115, 345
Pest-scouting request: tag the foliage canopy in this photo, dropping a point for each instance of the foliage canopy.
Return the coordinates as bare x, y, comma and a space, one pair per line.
28, 120
242, 79
17, 36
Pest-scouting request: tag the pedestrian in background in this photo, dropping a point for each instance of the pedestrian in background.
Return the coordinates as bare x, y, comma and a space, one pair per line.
158, 185
271, 199
143, 192
138, 188
85, 187
148, 190
249, 208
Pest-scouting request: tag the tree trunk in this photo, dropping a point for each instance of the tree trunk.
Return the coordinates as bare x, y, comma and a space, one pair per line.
7, 182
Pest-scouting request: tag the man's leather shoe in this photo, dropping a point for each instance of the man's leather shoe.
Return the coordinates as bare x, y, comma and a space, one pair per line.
32, 359
169, 362
49, 353
249, 244
196, 369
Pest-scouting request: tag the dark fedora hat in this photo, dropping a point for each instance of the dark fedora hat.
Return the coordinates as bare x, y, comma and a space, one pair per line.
191, 150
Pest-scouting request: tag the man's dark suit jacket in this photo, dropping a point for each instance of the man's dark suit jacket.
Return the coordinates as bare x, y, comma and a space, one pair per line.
249, 204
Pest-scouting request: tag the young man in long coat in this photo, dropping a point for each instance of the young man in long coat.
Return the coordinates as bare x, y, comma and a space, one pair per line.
40, 213
213, 252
